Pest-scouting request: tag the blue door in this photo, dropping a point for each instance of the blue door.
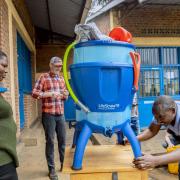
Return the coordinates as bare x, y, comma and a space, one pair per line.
160, 72
24, 75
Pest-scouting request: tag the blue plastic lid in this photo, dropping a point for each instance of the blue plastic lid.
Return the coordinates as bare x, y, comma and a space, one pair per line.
104, 43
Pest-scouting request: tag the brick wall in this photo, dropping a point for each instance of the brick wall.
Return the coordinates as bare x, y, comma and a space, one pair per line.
103, 23
4, 42
25, 16
152, 21
29, 110
144, 21
29, 102
45, 52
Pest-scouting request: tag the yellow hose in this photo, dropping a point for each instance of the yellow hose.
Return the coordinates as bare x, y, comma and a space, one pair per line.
65, 73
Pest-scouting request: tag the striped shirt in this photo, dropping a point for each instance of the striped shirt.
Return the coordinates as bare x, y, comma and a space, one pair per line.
49, 82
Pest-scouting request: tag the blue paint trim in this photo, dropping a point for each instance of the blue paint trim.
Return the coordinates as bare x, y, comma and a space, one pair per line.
104, 43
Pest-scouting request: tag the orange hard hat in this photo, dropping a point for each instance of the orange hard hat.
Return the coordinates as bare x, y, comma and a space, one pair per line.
120, 34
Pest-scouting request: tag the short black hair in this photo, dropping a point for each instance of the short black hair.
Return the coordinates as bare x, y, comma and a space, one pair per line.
2, 54
163, 103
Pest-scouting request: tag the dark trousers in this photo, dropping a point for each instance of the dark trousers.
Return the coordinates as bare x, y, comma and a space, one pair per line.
52, 124
8, 172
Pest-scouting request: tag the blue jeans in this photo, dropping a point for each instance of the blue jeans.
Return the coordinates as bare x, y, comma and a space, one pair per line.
52, 124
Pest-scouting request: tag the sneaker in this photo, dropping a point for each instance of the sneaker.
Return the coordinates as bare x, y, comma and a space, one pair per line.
52, 175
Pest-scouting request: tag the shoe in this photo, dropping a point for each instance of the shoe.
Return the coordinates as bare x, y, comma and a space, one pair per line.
52, 175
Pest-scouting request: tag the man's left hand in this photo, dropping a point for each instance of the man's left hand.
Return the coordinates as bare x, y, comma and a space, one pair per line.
146, 161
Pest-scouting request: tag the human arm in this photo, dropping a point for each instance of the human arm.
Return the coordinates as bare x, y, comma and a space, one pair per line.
150, 161
167, 138
150, 132
39, 93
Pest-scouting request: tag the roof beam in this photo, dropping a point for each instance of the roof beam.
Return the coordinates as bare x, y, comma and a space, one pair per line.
107, 7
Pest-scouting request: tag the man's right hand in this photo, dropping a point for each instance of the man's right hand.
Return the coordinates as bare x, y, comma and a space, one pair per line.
52, 94
57, 95
146, 161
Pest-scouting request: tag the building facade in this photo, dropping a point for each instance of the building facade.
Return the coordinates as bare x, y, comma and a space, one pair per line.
154, 26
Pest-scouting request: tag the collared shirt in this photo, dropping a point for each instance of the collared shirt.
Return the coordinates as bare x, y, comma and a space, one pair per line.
49, 82
176, 127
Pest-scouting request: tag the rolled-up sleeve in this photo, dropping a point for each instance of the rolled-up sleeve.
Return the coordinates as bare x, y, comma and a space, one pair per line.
38, 88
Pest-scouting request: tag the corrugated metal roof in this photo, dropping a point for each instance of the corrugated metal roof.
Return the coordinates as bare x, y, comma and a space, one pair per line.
160, 1
106, 8
115, 3
58, 16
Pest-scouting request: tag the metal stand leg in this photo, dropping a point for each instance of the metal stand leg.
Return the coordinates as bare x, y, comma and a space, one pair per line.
128, 132
80, 147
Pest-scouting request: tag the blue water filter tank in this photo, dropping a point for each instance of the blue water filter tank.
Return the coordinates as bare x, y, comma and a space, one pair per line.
102, 78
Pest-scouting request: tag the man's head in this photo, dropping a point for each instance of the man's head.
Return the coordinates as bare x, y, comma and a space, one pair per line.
55, 65
164, 110
3, 65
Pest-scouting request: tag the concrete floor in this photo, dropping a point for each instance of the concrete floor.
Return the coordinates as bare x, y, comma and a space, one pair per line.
33, 164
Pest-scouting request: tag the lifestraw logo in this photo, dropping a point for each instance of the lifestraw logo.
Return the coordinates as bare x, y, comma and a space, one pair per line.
108, 106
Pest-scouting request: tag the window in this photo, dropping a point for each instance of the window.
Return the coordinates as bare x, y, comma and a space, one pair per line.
149, 83
149, 56
160, 70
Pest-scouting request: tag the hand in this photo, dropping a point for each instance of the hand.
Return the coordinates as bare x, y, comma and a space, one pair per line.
65, 93
52, 94
57, 95
146, 161
170, 145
